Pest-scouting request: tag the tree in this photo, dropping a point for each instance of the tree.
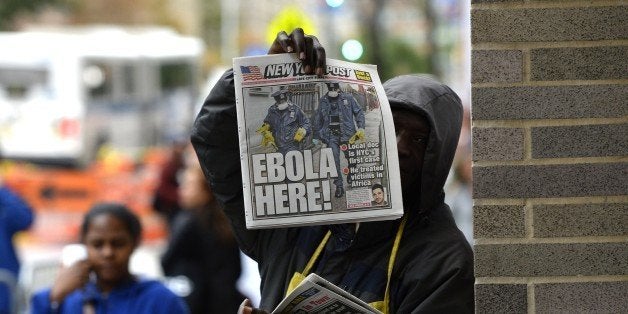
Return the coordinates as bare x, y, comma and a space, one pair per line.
11, 9
392, 55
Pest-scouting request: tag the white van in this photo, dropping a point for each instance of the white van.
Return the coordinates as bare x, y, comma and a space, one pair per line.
66, 92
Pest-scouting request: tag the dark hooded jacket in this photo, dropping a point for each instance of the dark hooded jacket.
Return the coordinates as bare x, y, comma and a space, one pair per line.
433, 270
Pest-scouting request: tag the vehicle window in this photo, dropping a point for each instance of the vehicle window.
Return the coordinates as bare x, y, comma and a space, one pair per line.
97, 77
20, 83
175, 75
128, 72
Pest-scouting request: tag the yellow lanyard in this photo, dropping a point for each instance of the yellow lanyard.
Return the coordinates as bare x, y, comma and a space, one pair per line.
297, 278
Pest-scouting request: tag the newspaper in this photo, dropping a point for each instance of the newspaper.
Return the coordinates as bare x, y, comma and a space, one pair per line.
317, 295
310, 158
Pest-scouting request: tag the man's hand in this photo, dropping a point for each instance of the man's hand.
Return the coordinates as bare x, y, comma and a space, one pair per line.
358, 136
268, 139
267, 136
265, 127
308, 49
247, 308
299, 135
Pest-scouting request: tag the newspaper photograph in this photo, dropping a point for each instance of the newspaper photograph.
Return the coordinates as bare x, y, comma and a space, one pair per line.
315, 150
317, 295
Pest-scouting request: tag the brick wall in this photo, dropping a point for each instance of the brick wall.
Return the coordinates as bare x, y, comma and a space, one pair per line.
550, 151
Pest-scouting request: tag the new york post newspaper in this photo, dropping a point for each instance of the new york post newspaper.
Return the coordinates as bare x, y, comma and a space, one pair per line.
317, 295
315, 150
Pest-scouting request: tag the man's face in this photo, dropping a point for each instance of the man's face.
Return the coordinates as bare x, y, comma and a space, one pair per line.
412, 131
378, 196
333, 92
282, 104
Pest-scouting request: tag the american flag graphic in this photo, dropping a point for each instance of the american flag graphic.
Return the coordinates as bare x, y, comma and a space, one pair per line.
251, 72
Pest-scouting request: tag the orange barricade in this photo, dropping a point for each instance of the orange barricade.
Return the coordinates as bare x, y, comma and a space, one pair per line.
61, 196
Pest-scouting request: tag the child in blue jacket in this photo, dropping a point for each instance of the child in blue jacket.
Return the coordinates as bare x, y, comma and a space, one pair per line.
102, 283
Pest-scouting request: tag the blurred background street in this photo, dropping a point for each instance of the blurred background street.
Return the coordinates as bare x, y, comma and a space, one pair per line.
94, 94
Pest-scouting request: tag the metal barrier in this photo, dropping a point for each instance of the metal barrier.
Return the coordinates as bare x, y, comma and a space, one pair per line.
34, 276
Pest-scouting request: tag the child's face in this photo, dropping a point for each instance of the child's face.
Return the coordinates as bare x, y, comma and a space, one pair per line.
109, 247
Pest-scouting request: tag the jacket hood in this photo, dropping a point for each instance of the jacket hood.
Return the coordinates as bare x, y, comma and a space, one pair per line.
443, 109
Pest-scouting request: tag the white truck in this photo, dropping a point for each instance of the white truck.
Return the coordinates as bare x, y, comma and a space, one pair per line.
66, 92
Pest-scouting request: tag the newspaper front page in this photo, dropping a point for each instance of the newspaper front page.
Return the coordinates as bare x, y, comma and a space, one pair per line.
317, 295
315, 150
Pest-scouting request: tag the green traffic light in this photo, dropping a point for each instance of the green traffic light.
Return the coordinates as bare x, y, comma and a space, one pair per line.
352, 50
334, 3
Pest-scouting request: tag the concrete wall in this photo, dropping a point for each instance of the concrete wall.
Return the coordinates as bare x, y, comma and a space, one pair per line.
550, 151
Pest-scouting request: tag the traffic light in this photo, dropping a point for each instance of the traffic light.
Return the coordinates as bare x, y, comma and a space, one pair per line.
352, 50
334, 3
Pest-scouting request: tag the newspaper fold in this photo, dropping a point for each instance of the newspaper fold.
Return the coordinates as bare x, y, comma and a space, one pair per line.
315, 150
317, 295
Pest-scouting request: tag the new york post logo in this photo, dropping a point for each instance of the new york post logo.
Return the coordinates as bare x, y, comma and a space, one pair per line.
281, 70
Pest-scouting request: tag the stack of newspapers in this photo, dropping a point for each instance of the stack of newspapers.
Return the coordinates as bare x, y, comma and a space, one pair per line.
315, 149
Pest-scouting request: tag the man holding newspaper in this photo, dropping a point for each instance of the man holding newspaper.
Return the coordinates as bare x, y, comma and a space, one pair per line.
420, 263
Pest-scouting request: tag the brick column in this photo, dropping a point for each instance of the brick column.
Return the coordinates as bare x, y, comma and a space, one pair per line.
550, 150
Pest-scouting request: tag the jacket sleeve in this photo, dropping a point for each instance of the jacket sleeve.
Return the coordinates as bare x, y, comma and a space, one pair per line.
163, 302
215, 140
40, 303
453, 295
14, 210
305, 122
317, 124
183, 242
357, 112
439, 285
